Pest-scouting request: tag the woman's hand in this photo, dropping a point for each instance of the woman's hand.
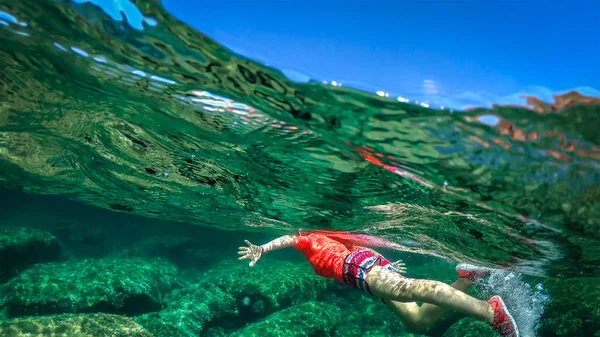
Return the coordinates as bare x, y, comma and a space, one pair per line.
251, 252
400, 266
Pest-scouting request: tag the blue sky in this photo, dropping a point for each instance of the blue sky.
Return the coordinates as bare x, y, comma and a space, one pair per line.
488, 48
459, 52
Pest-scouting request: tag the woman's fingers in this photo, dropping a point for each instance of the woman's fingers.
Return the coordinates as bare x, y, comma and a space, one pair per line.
398, 264
245, 256
247, 253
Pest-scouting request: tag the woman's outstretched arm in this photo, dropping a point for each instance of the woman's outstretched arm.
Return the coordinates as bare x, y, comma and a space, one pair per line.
254, 252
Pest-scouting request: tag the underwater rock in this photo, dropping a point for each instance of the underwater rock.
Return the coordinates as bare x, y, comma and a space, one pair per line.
191, 310
120, 286
183, 252
364, 315
80, 240
574, 308
269, 286
306, 319
70, 325
231, 295
22, 247
469, 327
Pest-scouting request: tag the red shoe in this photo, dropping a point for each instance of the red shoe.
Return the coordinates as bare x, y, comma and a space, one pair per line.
473, 273
503, 321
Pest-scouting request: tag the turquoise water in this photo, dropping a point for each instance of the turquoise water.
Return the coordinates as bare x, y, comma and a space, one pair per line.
147, 130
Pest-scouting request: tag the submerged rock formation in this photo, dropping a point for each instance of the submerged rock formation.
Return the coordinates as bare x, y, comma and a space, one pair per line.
120, 286
231, 295
190, 311
69, 325
269, 286
228, 298
183, 252
22, 247
469, 327
306, 319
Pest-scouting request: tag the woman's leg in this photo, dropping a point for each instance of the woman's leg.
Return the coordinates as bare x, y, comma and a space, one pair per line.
423, 317
391, 286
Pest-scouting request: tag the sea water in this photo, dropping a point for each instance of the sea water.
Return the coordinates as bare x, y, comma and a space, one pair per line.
136, 155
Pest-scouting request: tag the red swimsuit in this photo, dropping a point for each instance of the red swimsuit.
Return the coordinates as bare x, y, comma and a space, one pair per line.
325, 255
332, 259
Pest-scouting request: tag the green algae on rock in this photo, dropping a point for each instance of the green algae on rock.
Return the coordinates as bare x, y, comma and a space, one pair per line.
468, 327
22, 247
364, 316
112, 285
231, 295
190, 310
306, 319
269, 286
71, 325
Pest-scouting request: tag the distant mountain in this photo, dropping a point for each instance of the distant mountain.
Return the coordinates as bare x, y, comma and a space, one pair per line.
534, 97
561, 102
